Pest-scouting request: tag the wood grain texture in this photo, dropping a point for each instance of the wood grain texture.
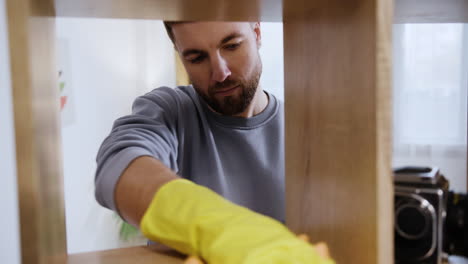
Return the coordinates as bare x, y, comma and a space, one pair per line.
384, 144
228, 10
38, 151
406, 11
338, 119
134, 255
431, 11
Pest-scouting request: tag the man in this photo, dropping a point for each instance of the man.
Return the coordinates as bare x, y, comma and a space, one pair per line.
223, 132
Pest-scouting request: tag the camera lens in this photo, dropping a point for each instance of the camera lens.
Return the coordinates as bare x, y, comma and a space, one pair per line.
412, 221
414, 228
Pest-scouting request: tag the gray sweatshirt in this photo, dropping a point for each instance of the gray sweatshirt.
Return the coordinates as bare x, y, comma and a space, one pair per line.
241, 159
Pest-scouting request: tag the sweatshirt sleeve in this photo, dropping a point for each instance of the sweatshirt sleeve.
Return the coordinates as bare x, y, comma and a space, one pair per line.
149, 131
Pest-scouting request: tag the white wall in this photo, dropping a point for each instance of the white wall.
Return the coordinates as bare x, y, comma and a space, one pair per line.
430, 98
10, 237
106, 64
271, 53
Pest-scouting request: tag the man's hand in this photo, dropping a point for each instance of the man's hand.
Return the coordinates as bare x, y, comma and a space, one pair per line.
320, 247
196, 221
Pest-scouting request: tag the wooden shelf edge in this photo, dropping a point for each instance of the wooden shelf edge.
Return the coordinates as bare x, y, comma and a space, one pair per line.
431, 11
406, 11
133, 255
229, 10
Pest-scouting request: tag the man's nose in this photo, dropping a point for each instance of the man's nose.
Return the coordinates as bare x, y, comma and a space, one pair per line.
220, 70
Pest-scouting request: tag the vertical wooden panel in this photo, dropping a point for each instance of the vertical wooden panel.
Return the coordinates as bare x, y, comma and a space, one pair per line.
338, 124
36, 108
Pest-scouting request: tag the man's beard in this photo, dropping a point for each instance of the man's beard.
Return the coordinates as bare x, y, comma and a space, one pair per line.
232, 104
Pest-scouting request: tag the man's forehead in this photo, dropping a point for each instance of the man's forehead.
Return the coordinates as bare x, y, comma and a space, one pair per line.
206, 33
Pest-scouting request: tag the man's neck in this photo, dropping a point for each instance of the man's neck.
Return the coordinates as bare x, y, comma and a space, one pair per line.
258, 104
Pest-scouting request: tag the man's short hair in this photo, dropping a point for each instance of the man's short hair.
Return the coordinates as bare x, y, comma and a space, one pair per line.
168, 25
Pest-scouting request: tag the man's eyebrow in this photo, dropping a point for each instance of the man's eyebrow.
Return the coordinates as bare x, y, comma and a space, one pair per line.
231, 36
191, 51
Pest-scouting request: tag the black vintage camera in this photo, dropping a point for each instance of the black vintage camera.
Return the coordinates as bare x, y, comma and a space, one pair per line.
431, 222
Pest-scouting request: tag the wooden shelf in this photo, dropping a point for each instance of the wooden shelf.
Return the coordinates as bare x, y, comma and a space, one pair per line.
431, 11
338, 115
228, 10
134, 255
406, 11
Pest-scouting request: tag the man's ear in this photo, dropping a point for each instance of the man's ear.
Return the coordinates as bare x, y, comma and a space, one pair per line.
258, 33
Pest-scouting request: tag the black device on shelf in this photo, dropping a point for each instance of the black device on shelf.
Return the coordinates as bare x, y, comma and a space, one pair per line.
431, 221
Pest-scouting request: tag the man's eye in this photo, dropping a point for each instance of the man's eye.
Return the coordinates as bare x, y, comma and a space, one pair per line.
232, 46
197, 59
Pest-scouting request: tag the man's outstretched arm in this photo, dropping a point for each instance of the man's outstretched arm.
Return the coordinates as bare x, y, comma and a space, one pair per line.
196, 221
138, 185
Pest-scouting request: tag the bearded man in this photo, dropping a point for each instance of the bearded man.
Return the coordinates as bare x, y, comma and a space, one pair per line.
200, 168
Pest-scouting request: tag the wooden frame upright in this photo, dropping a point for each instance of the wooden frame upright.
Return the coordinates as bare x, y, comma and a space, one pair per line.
31, 32
338, 120
337, 105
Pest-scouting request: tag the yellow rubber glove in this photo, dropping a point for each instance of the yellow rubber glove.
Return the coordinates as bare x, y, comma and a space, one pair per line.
196, 221
321, 248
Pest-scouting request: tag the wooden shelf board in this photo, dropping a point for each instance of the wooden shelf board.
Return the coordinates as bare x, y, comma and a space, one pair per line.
406, 11
134, 255
431, 11
229, 10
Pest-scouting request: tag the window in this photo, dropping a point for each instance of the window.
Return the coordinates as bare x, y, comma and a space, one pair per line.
430, 98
